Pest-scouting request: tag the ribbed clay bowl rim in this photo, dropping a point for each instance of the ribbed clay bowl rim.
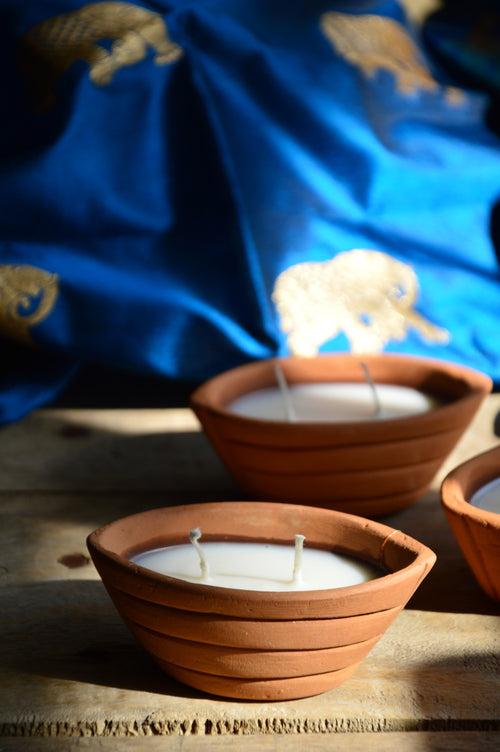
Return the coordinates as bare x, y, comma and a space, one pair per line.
111, 545
462, 483
437, 378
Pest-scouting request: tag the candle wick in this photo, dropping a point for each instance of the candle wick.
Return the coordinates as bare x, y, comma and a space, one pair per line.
194, 537
374, 390
286, 396
297, 559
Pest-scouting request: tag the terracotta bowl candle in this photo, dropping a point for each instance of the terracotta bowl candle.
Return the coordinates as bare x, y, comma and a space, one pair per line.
249, 642
471, 500
339, 448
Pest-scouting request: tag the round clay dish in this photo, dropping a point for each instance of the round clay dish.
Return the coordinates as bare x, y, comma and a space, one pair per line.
248, 644
476, 530
366, 467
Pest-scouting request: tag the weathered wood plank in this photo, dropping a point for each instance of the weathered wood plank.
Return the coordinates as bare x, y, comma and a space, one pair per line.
38, 530
68, 664
146, 458
390, 742
110, 450
129, 450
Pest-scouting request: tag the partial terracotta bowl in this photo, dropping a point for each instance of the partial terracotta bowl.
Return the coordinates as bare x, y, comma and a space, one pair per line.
369, 468
257, 645
476, 530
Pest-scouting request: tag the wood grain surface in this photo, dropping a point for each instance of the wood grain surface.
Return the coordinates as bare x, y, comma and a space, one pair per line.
430, 741
69, 666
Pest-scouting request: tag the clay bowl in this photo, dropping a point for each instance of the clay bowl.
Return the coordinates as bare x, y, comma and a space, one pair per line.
476, 530
257, 645
368, 467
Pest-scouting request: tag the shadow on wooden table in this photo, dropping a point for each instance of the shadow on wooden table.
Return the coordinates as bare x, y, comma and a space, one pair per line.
79, 637
458, 693
98, 466
79, 459
450, 586
68, 631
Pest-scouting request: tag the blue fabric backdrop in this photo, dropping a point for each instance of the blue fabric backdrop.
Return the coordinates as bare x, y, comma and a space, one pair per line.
148, 206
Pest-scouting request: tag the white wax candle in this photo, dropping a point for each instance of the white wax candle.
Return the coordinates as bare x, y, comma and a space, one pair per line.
258, 566
488, 497
334, 402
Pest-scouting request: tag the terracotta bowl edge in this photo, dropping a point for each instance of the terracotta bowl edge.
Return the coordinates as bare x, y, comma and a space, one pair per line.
453, 497
424, 559
480, 385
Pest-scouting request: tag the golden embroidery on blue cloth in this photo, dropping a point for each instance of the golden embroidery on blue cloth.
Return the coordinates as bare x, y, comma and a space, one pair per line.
366, 294
375, 43
27, 296
52, 46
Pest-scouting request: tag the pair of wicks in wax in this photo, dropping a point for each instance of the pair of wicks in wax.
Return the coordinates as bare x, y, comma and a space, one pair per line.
286, 394
194, 538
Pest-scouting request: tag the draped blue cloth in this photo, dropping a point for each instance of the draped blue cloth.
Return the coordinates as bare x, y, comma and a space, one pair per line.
168, 201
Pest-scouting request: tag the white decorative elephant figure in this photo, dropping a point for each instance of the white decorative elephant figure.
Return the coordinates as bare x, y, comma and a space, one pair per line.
367, 295
52, 46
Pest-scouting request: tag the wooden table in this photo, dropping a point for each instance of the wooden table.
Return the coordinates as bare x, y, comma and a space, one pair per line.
70, 669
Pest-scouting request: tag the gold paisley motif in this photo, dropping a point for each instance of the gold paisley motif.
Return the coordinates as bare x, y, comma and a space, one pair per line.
367, 295
52, 46
377, 43
27, 296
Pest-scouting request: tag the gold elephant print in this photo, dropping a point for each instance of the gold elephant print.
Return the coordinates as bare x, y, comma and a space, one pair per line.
27, 296
367, 295
375, 43
51, 47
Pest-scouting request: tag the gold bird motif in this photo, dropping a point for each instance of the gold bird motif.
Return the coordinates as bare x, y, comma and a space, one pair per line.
367, 295
377, 43
27, 296
51, 47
